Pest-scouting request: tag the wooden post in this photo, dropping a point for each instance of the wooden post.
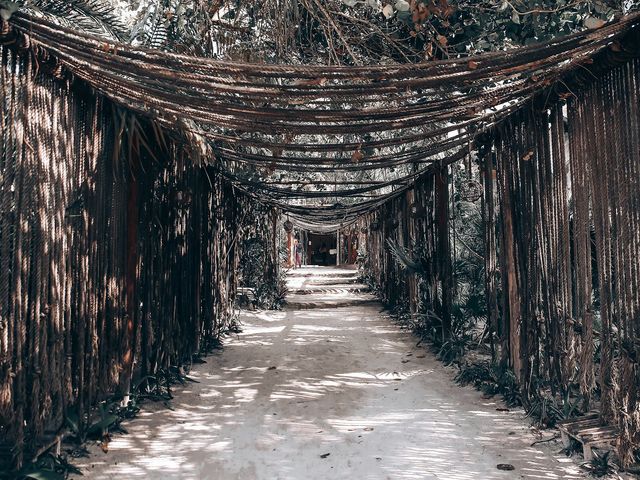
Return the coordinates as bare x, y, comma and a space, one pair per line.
291, 253
412, 282
305, 255
443, 246
131, 277
490, 260
508, 261
276, 245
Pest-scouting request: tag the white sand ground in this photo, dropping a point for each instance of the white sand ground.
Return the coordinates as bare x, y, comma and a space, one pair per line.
350, 397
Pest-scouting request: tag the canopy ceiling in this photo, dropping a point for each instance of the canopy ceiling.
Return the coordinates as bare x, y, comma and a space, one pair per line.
325, 144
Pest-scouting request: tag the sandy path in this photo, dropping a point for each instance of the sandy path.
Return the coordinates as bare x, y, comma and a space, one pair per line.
347, 383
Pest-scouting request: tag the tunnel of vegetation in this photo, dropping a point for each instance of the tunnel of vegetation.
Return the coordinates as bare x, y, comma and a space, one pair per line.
495, 197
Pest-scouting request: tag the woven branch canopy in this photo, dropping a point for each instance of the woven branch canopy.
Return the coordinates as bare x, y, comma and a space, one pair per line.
324, 121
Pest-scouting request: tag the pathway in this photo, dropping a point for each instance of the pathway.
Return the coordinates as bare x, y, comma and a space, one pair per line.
336, 391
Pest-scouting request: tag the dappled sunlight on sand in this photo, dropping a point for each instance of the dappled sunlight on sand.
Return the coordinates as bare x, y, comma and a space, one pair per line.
299, 384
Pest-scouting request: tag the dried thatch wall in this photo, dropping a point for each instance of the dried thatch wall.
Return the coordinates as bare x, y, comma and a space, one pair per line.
561, 210
117, 254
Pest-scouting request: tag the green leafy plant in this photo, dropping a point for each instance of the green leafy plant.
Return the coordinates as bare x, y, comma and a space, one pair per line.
546, 410
92, 16
83, 429
509, 388
601, 465
271, 296
413, 262
491, 379
474, 374
454, 348
47, 467
269, 290
108, 418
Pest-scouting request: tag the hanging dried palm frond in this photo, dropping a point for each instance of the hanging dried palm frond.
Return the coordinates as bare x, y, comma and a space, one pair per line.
408, 261
91, 16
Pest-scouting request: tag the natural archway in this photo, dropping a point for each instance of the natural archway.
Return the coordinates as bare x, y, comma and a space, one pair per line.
143, 191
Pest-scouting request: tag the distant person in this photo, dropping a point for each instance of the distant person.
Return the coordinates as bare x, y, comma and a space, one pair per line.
323, 254
298, 253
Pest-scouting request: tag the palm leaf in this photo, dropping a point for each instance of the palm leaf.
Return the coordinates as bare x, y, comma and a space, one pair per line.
91, 16
405, 259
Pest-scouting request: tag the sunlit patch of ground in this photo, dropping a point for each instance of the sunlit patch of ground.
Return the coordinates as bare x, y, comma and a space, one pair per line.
347, 383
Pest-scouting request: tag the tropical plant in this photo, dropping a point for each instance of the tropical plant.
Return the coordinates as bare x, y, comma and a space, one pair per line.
491, 379
92, 16
601, 465
454, 347
46, 467
546, 410
267, 292
363, 31
412, 262
330, 31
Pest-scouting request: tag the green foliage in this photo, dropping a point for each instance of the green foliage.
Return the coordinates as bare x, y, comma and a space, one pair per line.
110, 413
411, 262
334, 31
92, 16
509, 388
601, 465
454, 348
475, 374
174, 25
546, 410
253, 261
82, 429
270, 296
468, 244
269, 287
491, 379
468, 307
478, 26
47, 467
156, 387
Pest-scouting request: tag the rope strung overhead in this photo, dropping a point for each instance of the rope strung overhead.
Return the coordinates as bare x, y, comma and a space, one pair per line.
255, 120
216, 94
